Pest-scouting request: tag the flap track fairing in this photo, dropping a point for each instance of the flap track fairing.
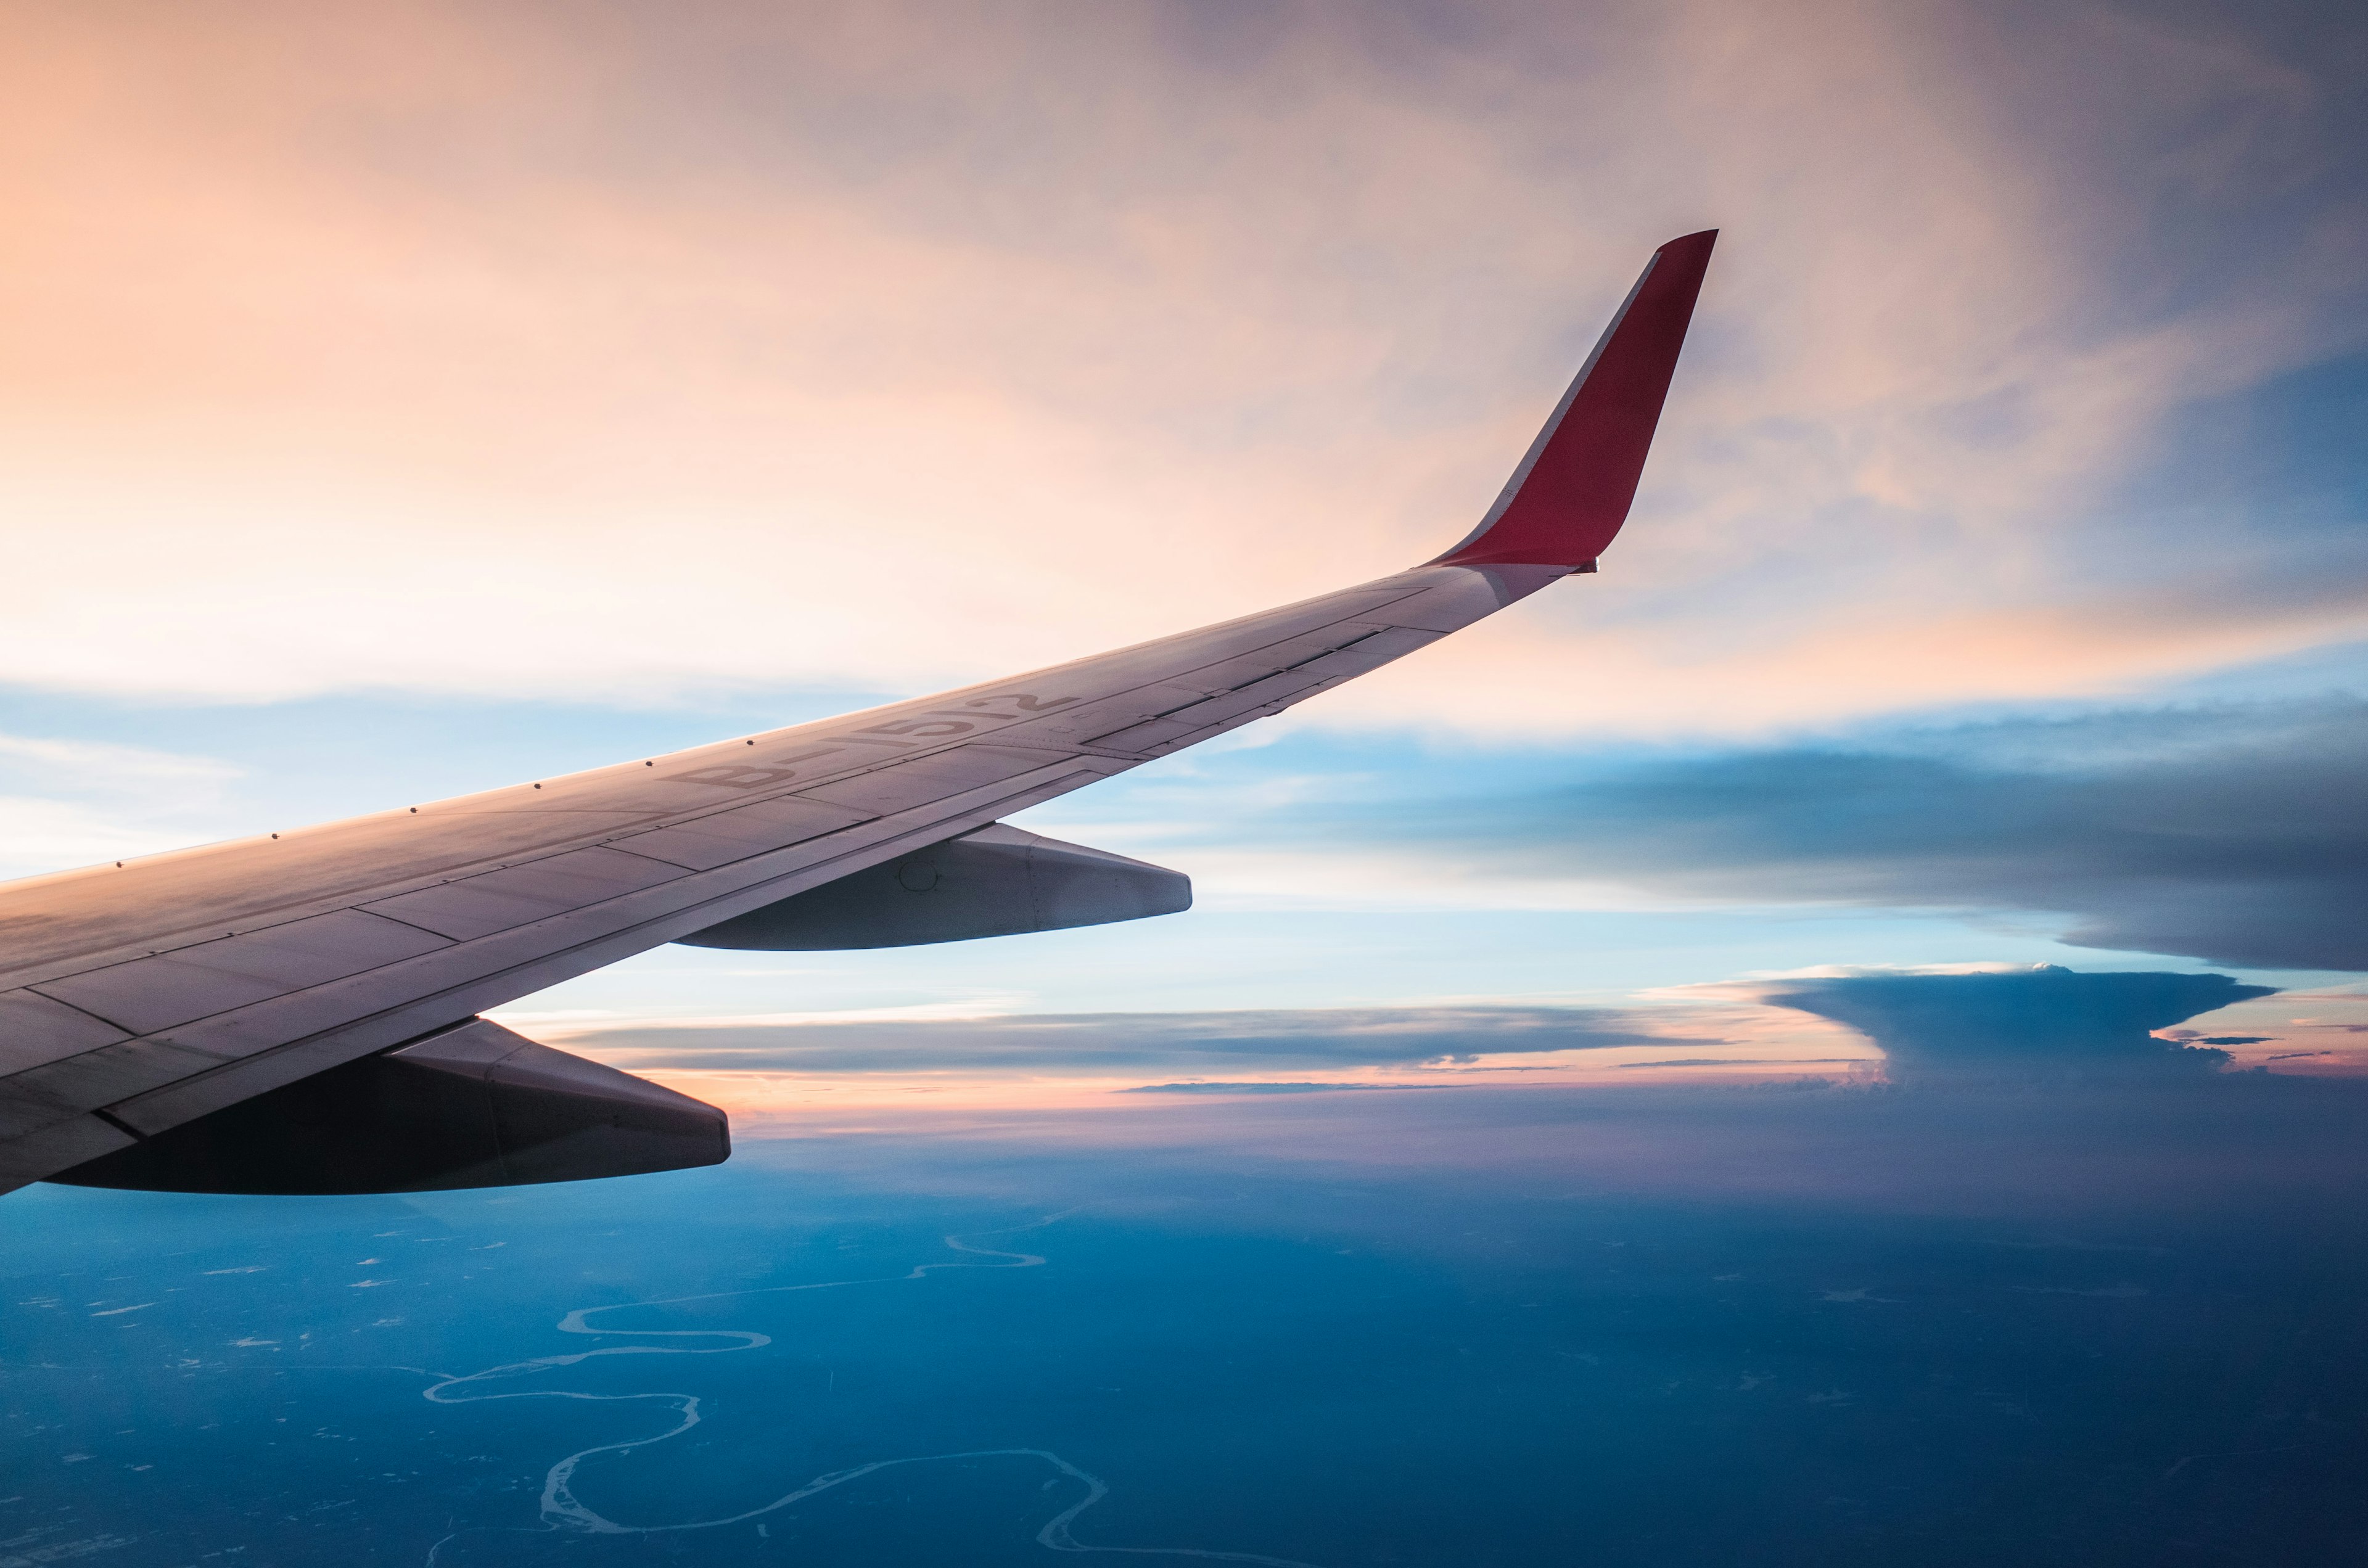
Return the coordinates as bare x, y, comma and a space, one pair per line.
997, 881
473, 1105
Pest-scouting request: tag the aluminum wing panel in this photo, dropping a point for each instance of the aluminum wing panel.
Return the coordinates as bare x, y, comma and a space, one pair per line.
153, 993
704, 843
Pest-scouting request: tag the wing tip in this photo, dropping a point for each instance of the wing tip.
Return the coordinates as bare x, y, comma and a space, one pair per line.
1572, 491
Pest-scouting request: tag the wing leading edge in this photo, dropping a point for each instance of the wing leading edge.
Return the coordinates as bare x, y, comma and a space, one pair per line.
140, 997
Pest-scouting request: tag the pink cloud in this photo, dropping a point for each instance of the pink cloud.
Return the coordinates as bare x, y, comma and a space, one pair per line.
547, 354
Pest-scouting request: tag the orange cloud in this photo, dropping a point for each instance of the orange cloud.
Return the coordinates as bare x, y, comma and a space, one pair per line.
541, 352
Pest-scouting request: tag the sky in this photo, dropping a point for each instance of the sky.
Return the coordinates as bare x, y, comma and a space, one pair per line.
402, 399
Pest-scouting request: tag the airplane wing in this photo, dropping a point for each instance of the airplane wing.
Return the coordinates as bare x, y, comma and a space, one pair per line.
298, 1012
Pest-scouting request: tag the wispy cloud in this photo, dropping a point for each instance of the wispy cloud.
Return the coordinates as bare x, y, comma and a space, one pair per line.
2231, 834
545, 352
67, 803
920, 1039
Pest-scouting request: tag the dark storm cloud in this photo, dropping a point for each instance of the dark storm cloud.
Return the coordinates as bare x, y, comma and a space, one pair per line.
2236, 836
2045, 1022
1185, 1042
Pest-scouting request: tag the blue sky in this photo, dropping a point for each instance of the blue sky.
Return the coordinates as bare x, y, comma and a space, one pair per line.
406, 401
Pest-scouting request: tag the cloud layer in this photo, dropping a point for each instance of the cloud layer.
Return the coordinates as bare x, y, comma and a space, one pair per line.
2047, 1022
1248, 1042
603, 354
2235, 834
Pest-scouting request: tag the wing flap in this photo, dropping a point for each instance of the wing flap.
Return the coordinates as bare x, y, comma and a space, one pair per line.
152, 993
36, 1029
62, 1090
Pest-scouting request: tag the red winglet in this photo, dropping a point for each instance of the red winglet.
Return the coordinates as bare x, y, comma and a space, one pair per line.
1571, 493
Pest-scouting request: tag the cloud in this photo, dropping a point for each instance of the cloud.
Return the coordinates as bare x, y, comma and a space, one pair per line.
1747, 1061
541, 352
2046, 1022
1277, 1040
1252, 1087
2251, 1150
2233, 836
72, 802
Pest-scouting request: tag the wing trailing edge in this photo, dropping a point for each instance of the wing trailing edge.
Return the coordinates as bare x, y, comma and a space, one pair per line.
1572, 491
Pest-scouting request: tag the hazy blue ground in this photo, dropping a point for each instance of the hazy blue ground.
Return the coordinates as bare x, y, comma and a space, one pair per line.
1443, 1327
